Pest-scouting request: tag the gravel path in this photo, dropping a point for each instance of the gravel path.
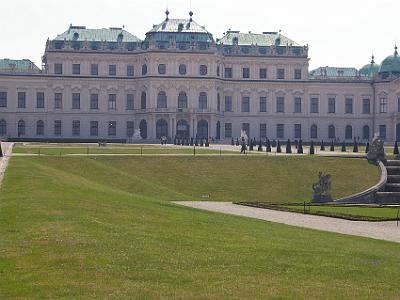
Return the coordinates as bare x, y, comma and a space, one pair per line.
7, 150
387, 231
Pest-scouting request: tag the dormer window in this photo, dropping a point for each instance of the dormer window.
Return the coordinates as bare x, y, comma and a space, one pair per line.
180, 27
75, 36
120, 38
235, 41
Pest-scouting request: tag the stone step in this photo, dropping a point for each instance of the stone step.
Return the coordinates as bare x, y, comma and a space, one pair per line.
388, 197
392, 170
393, 163
393, 179
392, 187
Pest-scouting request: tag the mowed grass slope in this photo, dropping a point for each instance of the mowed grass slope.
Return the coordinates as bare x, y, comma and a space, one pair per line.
81, 228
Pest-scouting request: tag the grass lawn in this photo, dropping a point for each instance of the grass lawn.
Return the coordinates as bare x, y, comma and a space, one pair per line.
81, 227
112, 149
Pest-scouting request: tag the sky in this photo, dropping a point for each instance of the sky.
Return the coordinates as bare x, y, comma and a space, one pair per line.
340, 33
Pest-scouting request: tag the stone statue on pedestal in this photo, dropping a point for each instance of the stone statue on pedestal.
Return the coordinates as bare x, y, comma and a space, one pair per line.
322, 189
376, 151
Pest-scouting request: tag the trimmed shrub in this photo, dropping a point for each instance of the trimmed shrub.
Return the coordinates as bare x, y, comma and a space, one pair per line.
250, 145
395, 149
355, 146
233, 142
332, 146
322, 145
312, 149
300, 147
268, 146
344, 146
367, 147
260, 146
278, 147
288, 146
274, 143
237, 142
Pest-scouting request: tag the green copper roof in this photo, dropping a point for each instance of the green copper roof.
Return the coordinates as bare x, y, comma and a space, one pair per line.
391, 64
14, 65
370, 69
334, 72
81, 34
264, 39
179, 25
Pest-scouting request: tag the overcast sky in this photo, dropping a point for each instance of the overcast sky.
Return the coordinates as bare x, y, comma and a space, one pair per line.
339, 33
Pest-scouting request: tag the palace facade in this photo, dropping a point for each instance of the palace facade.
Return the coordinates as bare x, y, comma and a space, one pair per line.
105, 84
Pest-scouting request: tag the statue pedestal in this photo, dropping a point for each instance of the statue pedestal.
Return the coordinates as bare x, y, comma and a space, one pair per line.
322, 198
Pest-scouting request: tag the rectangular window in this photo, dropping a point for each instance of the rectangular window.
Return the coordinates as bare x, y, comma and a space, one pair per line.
112, 70
129, 128
58, 100
246, 72
112, 128
314, 105
246, 104
280, 104
94, 101
349, 105
94, 128
331, 105
228, 73
297, 74
263, 104
76, 69
3, 99
297, 104
280, 131
94, 69
246, 128
129, 102
383, 105
203, 70
228, 103
21, 99
280, 73
76, 101
263, 131
228, 130
58, 69
39, 100
130, 71
57, 127
366, 106
76, 127
112, 101
382, 131
263, 73
297, 131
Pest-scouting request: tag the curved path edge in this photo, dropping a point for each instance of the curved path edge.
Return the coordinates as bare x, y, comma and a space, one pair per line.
387, 231
7, 151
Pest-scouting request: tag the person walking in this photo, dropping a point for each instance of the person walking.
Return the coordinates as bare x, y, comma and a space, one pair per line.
244, 148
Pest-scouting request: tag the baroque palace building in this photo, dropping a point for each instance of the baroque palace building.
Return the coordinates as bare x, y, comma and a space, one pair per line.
104, 84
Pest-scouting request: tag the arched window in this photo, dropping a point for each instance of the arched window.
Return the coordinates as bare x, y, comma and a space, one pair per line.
161, 129
202, 129
314, 131
182, 69
366, 132
143, 129
331, 132
144, 69
40, 127
21, 127
162, 100
203, 100
182, 100
3, 127
143, 101
349, 132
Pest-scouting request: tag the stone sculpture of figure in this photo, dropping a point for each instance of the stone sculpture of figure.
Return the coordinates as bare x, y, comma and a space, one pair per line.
376, 151
322, 189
